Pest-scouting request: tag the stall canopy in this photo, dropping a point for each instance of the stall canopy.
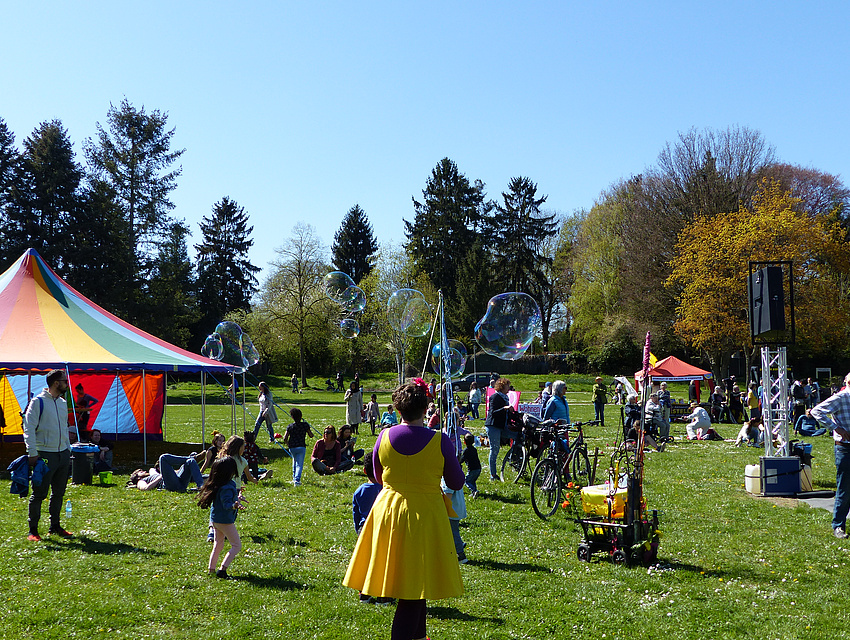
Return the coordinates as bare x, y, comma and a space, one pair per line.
671, 369
45, 324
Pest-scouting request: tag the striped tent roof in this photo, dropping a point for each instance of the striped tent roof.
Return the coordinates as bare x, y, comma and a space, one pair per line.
44, 324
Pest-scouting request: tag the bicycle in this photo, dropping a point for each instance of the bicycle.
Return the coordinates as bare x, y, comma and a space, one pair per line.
524, 447
564, 463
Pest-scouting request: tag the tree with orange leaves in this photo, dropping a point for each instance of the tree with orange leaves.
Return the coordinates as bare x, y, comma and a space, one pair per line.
710, 269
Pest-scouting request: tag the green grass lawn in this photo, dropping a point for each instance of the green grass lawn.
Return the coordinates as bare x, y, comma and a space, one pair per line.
731, 565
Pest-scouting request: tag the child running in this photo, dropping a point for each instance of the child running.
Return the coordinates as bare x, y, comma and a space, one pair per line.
220, 494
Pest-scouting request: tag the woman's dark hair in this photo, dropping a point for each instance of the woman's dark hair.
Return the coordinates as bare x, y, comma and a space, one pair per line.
343, 428
296, 414
333, 430
222, 471
411, 399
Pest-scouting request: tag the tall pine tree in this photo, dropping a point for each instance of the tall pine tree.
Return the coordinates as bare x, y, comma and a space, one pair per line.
354, 244
445, 225
45, 196
135, 158
226, 278
517, 230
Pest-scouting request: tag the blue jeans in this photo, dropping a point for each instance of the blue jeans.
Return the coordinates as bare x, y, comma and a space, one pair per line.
496, 434
260, 420
474, 410
842, 486
298, 454
600, 412
470, 479
188, 469
455, 523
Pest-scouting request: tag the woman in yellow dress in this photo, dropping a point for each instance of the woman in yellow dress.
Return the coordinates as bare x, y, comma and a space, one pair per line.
405, 549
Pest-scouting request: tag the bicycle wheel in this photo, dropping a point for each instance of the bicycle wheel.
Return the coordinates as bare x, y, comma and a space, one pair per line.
545, 488
514, 463
580, 469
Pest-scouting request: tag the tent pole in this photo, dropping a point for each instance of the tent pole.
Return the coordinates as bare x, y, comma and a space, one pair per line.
76, 426
244, 409
144, 416
203, 406
164, 405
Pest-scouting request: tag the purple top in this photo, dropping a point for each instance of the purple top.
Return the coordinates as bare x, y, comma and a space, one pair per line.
409, 440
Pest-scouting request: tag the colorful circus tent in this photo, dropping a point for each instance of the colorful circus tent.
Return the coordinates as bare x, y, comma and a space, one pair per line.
45, 324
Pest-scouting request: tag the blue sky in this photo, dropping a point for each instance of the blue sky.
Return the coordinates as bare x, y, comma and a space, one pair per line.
298, 111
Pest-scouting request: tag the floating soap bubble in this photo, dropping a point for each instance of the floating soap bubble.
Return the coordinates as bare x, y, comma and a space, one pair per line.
353, 300
349, 328
509, 325
336, 284
457, 358
250, 355
231, 339
213, 349
409, 313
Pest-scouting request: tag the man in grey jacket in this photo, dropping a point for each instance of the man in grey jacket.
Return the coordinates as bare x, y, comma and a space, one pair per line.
46, 437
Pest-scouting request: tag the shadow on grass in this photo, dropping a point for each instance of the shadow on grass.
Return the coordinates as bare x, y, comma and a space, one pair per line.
497, 498
271, 582
508, 566
98, 547
272, 538
450, 613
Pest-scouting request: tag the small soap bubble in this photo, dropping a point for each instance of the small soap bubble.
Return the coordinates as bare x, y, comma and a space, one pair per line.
409, 313
353, 300
509, 325
457, 358
349, 328
336, 284
213, 349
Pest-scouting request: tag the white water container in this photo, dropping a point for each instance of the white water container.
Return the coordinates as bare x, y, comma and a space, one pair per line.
752, 478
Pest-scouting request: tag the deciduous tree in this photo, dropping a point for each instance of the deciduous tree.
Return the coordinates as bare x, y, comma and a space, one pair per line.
710, 271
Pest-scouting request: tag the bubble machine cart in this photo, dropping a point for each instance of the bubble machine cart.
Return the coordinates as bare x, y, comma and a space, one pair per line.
614, 517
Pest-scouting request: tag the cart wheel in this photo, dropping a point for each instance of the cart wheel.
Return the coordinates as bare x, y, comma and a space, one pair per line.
619, 557
583, 553
638, 557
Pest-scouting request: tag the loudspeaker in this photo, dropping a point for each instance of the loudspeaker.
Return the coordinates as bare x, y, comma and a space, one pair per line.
767, 301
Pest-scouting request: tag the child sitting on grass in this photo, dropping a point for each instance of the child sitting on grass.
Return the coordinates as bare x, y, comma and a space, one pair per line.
220, 495
254, 457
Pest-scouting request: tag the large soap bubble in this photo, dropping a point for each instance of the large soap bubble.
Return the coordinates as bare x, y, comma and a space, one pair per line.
250, 355
353, 300
213, 348
231, 339
349, 328
509, 325
409, 313
336, 284
457, 358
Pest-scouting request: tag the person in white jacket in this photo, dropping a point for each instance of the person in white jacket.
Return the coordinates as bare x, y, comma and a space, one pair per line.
699, 422
46, 437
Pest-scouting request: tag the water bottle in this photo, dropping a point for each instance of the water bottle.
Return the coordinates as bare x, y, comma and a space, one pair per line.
68, 509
